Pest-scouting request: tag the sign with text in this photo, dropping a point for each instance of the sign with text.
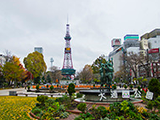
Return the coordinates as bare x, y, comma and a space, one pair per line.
114, 94
137, 94
125, 94
149, 95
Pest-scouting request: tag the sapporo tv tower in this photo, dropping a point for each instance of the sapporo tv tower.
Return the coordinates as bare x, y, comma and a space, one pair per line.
67, 71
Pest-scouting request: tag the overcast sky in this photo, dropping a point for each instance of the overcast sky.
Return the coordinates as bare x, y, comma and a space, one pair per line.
25, 24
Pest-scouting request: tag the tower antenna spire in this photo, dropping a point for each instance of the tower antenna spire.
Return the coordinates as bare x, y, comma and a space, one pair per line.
67, 19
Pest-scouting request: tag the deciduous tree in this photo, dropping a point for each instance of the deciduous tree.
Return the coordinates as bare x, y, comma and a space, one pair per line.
13, 70
55, 73
29, 76
131, 62
97, 64
86, 75
35, 64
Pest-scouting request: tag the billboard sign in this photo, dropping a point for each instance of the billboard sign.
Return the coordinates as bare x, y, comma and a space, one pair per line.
125, 94
154, 50
116, 42
131, 37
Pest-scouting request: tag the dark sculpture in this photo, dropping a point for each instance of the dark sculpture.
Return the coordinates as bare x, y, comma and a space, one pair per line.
106, 73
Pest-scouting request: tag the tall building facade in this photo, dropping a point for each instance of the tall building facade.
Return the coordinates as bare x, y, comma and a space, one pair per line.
116, 53
153, 51
38, 49
130, 44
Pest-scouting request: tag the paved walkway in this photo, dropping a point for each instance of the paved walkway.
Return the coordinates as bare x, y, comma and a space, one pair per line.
5, 92
23, 92
71, 117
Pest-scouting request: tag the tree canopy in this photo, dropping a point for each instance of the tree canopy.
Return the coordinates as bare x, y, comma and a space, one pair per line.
86, 74
71, 89
35, 64
154, 86
133, 60
55, 73
13, 70
97, 64
48, 78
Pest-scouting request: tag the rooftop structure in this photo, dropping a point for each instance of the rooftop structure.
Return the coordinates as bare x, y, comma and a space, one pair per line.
152, 34
38, 49
131, 37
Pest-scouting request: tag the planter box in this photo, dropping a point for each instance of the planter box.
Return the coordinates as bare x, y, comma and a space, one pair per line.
12, 93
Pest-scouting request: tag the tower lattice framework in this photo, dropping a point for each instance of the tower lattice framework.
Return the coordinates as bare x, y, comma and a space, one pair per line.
67, 69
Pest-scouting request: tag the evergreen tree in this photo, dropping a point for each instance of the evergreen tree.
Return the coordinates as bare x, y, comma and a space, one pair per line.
48, 78
154, 86
71, 89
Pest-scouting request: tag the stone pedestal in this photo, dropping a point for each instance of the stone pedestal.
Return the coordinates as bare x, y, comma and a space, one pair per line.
92, 95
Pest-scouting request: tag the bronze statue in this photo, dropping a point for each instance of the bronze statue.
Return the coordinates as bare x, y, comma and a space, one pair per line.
106, 73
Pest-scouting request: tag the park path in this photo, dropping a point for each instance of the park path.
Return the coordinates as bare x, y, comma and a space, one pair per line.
5, 92
71, 117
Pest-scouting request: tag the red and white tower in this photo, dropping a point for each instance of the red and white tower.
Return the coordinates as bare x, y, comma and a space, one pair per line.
67, 70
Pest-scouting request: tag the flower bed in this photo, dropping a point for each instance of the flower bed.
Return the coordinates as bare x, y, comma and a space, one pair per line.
13, 107
116, 111
51, 108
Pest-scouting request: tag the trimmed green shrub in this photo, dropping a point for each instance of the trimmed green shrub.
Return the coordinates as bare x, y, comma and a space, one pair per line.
51, 88
29, 87
114, 86
82, 107
101, 111
36, 111
62, 108
37, 104
63, 100
37, 87
71, 89
42, 99
49, 102
79, 95
131, 86
86, 116
125, 86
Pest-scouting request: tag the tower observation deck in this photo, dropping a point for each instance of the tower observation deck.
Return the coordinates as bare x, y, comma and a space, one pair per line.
67, 70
